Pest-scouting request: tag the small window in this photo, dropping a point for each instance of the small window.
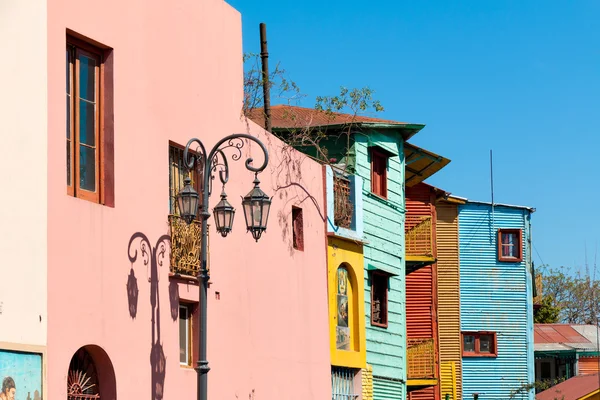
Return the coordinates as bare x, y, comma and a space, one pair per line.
344, 311
479, 344
546, 369
297, 229
379, 299
510, 245
379, 173
342, 384
89, 135
185, 334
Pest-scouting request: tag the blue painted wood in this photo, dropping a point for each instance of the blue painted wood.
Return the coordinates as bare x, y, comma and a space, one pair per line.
496, 296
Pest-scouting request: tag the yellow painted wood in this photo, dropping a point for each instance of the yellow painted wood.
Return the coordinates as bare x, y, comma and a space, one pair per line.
349, 255
425, 259
448, 291
595, 395
421, 382
448, 379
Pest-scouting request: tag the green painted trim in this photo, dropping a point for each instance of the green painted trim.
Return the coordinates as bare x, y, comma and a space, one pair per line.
371, 267
388, 203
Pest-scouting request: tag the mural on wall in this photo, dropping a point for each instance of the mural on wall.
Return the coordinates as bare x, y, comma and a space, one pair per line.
342, 329
20, 375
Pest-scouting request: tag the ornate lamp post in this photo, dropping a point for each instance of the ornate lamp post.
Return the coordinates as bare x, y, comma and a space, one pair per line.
256, 205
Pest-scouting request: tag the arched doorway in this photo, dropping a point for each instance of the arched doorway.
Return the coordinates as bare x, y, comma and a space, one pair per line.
91, 375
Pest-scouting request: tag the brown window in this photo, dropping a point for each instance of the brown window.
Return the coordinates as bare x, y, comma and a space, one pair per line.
297, 228
510, 247
379, 299
89, 136
186, 339
479, 344
177, 173
378, 173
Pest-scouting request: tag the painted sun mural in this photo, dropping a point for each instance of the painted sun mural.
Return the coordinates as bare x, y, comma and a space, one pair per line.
342, 328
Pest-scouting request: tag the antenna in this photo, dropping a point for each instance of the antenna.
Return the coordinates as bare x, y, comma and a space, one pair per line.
492, 176
492, 187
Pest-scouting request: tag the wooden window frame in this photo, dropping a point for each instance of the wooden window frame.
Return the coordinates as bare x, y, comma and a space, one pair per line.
519, 233
477, 352
191, 310
297, 228
104, 124
384, 309
379, 156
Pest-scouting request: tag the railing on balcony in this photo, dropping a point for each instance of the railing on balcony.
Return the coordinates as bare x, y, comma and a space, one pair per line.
421, 358
419, 240
185, 246
343, 207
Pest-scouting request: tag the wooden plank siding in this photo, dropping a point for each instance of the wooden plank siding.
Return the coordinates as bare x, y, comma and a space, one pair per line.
421, 293
448, 287
496, 297
384, 249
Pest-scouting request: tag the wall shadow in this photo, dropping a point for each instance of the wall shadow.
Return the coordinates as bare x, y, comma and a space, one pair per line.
153, 259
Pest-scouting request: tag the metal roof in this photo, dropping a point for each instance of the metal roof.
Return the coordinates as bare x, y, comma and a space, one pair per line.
564, 337
420, 164
574, 388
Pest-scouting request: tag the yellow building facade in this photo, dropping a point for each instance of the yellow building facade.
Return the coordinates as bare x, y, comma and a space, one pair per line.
346, 303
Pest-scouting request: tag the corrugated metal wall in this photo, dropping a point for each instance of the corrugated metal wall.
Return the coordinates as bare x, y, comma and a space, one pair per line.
448, 284
588, 365
495, 296
421, 307
448, 380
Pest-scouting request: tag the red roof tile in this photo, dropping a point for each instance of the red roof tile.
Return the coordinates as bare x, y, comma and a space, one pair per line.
571, 389
557, 333
284, 116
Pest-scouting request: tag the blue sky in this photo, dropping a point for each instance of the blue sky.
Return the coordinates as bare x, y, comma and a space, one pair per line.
520, 77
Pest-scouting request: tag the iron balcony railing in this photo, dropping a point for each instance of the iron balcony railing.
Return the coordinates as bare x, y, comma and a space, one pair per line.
343, 208
421, 358
185, 246
419, 236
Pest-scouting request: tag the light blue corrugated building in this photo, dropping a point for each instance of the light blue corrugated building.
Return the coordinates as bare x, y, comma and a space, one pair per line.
496, 300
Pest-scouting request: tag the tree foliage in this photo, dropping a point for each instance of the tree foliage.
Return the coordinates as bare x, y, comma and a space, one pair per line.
576, 296
305, 135
548, 313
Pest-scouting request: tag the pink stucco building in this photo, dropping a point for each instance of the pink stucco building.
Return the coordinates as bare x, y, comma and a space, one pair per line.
86, 243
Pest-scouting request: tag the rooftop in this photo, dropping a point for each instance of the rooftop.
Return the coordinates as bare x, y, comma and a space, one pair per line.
564, 337
294, 117
574, 388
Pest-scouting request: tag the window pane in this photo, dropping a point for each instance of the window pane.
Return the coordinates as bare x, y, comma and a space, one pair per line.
379, 304
342, 328
87, 168
87, 123
87, 78
68, 71
68, 162
485, 344
183, 335
469, 343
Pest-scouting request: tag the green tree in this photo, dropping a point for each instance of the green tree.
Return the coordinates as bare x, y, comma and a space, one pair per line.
548, 313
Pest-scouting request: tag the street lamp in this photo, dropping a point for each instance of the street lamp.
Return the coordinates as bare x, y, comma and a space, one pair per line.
256, 205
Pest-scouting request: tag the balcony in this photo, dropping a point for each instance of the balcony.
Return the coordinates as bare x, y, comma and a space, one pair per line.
418, 242
421, 371
185, 246
343, 209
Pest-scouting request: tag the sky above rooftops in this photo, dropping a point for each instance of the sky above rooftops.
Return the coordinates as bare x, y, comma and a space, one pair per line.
518, 77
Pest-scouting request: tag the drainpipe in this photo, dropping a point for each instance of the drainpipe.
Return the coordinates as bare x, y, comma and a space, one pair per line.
264, 57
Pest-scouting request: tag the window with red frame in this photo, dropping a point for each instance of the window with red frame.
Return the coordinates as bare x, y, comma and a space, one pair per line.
379, 299
479, 344
379, 173
510, 247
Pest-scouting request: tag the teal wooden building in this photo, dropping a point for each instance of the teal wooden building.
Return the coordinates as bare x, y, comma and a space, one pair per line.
373, 150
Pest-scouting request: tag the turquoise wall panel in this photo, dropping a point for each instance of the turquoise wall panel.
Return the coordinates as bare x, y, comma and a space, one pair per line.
496, 296
384, 234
